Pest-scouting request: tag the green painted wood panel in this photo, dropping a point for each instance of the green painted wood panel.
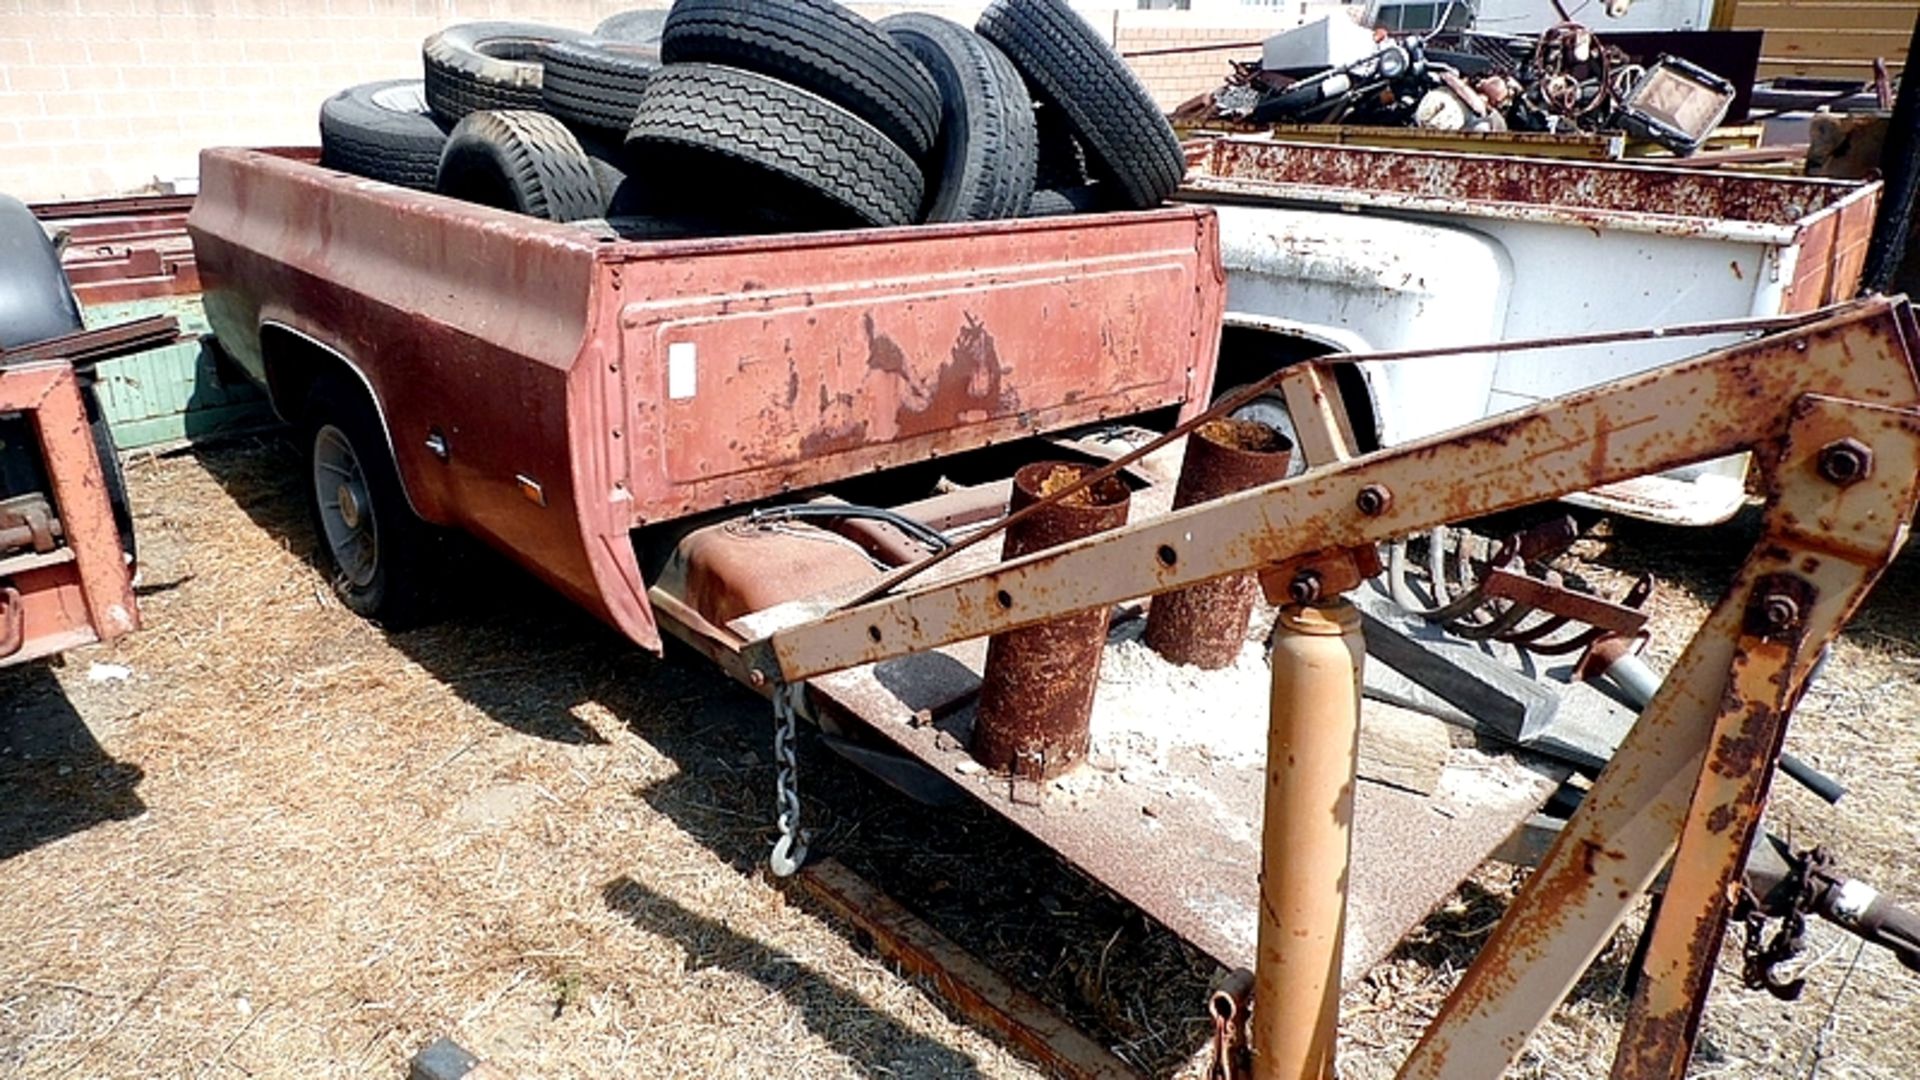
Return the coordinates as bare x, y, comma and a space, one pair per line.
175, 394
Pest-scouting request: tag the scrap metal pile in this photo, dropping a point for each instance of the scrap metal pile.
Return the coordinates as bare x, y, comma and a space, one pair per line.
1567, 79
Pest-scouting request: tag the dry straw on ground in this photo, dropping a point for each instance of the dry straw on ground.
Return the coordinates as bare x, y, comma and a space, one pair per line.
288, 844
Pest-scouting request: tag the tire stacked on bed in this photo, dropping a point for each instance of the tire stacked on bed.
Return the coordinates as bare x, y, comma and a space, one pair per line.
748, 116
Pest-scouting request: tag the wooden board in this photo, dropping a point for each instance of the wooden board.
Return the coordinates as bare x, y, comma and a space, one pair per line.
1836, 39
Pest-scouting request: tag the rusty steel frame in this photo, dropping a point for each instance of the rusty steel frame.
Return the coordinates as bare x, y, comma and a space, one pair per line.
1831, 410
82, 592
973, 988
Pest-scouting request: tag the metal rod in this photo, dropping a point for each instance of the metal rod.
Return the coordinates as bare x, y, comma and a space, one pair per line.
1248, 392
1306, 840
1638, 683
1180, 50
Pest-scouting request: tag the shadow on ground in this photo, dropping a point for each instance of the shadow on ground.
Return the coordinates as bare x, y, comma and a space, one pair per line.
521, 654
55, 779
711, 944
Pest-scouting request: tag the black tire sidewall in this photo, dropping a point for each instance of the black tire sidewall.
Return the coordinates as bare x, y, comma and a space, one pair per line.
526, 162
396, 596
362, 136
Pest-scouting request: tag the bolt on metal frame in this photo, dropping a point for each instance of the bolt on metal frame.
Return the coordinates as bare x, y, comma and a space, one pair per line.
1693, 773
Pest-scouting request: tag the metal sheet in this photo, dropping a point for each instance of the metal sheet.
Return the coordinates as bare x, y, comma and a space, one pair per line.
1591, 194
1186, 848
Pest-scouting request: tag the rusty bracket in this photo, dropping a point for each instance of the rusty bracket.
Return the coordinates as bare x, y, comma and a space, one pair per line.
1328, 573
85, 347
1721, 820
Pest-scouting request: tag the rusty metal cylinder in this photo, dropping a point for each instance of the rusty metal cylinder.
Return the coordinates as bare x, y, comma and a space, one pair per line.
1306, 839
1036, 698
1206, 624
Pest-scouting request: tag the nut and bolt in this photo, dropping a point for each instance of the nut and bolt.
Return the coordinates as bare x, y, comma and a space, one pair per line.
1304, 588
1781, 612
1373, 500
1846, 462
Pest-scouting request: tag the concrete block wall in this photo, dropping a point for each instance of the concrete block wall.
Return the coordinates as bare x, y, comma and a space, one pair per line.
105, 97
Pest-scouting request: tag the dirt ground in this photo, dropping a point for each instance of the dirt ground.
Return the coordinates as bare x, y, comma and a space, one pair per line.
264, 837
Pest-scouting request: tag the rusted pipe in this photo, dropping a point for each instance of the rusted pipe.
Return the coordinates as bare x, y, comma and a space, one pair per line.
1037, 693
1306, 842
1206, 624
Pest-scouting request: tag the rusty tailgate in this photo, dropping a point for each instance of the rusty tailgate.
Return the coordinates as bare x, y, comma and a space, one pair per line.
757, 367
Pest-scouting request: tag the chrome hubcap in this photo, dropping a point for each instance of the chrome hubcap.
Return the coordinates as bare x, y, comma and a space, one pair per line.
346, 514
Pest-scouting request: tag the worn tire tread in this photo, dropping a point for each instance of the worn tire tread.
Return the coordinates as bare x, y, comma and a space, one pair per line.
461, 80
1127, 140
549, 172
768, 125
595, 84
818, 46
983, 163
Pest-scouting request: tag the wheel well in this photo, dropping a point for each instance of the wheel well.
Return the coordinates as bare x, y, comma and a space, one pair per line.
1249, 353
295, 363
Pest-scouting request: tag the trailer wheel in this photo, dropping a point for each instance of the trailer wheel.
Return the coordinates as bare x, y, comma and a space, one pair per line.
819, 46
721, 136
487, 65
527, 162
383, 131
381, 557
596, 83
639, 27
1069, 67
984, 155
112, 472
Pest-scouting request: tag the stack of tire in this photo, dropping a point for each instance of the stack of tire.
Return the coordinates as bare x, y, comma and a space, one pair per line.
727, 116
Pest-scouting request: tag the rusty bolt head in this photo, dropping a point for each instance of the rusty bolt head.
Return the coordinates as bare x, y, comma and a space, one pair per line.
1304, 588
1781, 612
1373, 500
757, 678
1846, 461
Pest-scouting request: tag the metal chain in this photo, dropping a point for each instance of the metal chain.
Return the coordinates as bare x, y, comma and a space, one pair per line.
790, 850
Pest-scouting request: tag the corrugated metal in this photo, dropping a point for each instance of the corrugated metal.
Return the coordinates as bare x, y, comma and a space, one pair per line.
1835, 39
173, 394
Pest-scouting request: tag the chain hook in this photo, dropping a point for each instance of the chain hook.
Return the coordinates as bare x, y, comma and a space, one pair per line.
790, 850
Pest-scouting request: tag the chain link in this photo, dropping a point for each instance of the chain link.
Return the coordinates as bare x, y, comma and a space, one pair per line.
790, 850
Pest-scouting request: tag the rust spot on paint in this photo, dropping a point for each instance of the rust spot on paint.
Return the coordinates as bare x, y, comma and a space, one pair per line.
1721, 819
830, 440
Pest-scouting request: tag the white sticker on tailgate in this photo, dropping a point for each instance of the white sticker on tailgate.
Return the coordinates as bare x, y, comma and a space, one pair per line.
680, 370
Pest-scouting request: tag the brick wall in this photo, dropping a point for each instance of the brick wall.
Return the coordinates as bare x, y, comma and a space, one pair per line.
103, 96
108, 96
